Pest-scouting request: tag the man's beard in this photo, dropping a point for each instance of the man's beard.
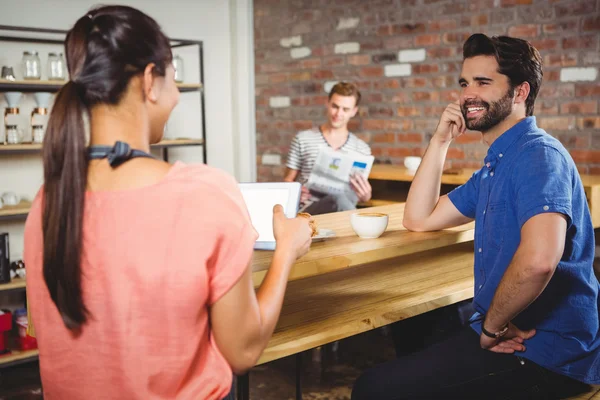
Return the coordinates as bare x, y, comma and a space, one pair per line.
493, 114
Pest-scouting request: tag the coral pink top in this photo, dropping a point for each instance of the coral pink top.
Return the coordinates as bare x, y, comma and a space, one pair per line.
154, 260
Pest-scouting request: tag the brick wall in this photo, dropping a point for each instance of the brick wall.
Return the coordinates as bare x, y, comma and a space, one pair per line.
405, 55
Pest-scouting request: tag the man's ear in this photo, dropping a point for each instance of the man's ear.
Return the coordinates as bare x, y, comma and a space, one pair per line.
149, 80
522, 92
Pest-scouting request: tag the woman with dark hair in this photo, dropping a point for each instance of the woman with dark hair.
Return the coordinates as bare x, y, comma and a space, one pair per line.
139, 284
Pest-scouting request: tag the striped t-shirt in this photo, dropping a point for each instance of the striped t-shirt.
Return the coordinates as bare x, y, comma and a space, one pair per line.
305, 148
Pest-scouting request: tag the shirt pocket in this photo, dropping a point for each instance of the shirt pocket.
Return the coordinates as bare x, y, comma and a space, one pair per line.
495, 216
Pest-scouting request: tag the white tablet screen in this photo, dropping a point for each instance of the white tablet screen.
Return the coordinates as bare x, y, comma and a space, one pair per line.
260, 203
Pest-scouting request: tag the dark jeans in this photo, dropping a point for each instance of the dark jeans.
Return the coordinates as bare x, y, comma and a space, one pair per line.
458, 368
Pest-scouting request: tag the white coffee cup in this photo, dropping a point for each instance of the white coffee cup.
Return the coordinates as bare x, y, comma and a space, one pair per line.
10, 198
412, 163
369, 225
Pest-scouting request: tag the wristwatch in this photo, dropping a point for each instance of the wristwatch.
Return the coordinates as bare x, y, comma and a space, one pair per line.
494, 335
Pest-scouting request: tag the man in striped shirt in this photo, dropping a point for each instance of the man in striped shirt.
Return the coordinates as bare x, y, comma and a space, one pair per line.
342, 105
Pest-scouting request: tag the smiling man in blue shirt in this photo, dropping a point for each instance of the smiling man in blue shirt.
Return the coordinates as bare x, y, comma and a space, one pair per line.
535, 332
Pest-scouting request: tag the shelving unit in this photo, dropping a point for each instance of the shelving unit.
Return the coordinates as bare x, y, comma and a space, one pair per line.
56, 36
18, 357
15, 284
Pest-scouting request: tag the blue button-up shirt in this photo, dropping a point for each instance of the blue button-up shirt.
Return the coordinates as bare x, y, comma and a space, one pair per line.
527, 172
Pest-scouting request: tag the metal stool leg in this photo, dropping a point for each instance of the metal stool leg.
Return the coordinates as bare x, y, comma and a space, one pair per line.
299, 376
243, 387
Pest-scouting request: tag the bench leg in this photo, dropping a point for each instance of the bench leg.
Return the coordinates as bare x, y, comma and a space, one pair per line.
298, 376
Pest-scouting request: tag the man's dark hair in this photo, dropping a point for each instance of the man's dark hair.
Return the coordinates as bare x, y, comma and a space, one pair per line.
517, 59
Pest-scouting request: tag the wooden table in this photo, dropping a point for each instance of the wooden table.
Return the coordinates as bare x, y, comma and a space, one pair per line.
386, 172
346, 285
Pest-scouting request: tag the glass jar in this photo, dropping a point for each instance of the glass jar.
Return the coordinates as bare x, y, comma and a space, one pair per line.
56, 67
178, 65
37, 131
32, 67
12, 134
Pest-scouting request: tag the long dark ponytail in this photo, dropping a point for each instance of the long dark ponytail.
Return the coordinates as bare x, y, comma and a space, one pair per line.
104, 50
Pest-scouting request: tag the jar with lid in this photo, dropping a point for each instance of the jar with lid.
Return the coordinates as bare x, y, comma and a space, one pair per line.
37, 132
56, 67
178, 65
32, 67
12, 134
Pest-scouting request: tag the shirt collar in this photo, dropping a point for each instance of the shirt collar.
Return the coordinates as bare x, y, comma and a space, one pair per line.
503, 143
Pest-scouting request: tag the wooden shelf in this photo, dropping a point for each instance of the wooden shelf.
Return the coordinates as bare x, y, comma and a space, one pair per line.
17, 283
54, 86
18, 357
14, 212
35, 147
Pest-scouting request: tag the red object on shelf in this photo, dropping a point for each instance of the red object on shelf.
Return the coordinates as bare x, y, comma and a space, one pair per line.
26, 342
5, 328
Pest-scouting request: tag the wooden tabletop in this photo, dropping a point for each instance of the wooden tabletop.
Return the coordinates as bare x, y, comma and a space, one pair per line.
387, 172
346, 285
346, 249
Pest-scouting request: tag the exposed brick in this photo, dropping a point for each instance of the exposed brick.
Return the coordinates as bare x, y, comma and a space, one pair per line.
442, 25
371, 72
565, 90
359, 59
575, 141
434, 111
580, 42
387, 84
579, 107
587, 89
556, 123
373, 98
560, 60
546, 107
411, 137
381, 58
455, 37
469, 137
300, 76
580, 7
415, 82
311, 63
397, 43
400, 97
591, 23
544, 44
560, 27
408, 111
501, 17
278, 78
510, 3
586, 156
455, 153
384, 138
333, 61
425, 96
524, 31
441, 52
427, 40
385, 34
588, 123
426, 68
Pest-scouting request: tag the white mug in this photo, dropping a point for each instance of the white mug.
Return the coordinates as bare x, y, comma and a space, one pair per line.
10, 198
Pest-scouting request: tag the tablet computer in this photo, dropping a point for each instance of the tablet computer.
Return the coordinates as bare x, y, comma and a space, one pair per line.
260, 199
